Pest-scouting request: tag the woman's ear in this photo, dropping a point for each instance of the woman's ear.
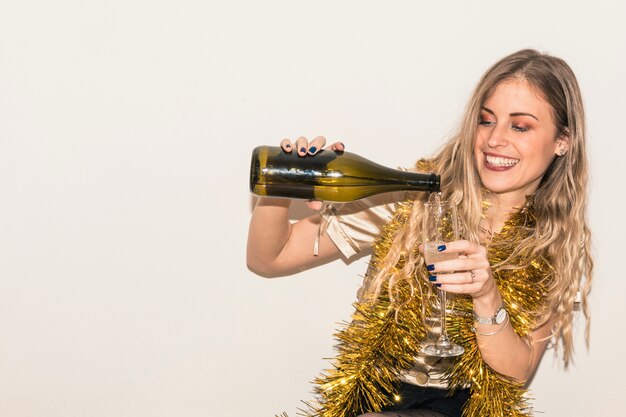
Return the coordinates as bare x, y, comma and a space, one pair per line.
562, 143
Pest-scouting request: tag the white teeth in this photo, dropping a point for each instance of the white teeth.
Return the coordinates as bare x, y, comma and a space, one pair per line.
501, 162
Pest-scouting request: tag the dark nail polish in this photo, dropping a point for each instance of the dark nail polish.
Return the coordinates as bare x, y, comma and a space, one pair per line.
287, 146
303, 150
432, 278
438, 285
441, 248
312, 149
430, 267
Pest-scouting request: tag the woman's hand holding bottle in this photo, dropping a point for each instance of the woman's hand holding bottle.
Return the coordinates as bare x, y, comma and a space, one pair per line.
303, 147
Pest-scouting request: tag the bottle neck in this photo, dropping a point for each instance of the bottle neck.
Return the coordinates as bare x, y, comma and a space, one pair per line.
424, 182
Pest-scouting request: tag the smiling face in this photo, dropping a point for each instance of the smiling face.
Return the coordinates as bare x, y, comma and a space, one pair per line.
516, 140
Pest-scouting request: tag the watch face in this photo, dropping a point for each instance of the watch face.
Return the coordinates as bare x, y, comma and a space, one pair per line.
500, 316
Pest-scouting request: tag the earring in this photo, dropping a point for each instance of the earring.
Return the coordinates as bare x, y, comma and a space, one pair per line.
562, 152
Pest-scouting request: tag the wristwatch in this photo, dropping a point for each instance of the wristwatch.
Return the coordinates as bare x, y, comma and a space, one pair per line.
497, 318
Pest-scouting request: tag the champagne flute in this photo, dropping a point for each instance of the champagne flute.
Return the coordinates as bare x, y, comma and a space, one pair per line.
440, 226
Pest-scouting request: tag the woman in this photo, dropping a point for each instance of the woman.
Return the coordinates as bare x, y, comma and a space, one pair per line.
517, 170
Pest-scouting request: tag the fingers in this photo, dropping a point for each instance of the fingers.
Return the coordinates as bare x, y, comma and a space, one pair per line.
471, 289
466, 282
471, 256
303, 147
286, 145
478, 276
461, 263
465, 247
314, 205
337, 146
316, 144
464, 277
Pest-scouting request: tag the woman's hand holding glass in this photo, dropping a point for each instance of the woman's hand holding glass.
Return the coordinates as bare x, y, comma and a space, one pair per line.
469, 273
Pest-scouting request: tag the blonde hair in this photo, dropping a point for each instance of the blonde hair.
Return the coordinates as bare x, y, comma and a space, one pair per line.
561, 233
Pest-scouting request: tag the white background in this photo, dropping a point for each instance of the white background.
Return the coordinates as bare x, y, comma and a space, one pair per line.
125, 134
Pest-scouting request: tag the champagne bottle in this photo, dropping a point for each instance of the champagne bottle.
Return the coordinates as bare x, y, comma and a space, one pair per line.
328, 175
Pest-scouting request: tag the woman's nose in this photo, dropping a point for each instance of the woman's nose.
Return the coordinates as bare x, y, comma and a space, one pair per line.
497, 136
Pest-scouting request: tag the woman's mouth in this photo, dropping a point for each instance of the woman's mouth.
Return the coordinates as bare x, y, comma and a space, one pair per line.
499, 163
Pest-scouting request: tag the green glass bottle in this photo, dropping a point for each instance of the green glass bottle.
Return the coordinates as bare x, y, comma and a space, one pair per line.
329, 176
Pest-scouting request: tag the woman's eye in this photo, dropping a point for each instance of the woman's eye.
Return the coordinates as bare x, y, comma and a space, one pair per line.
519, 128
483, 122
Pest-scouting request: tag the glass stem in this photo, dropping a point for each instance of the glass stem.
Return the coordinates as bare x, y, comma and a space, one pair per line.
442, 302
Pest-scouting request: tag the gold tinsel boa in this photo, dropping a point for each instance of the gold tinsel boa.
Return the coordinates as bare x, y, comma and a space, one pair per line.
381, 342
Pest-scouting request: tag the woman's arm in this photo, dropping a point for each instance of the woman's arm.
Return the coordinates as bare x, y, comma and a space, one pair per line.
277, 247
501, 348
